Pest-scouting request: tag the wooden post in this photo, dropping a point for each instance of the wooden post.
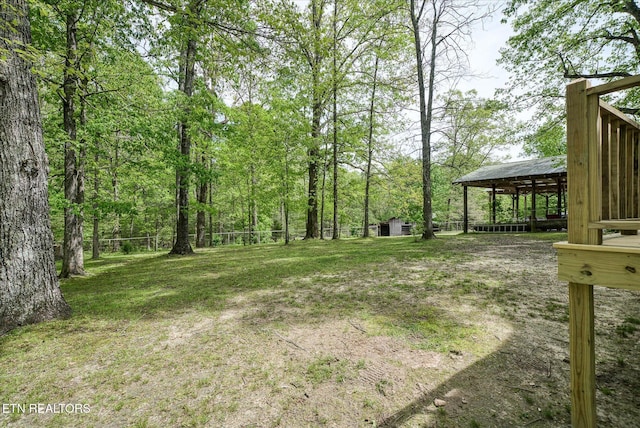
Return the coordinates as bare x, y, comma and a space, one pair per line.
546, 205
581, 328
513, 208
493, 204
466, 210
517, 205
559, 212
533, 206
582, 356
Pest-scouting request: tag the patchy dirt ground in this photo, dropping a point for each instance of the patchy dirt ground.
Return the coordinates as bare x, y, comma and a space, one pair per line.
476, 336
513, 370
510, 370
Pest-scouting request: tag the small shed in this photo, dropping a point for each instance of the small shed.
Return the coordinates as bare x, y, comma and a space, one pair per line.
394, 227
537, 176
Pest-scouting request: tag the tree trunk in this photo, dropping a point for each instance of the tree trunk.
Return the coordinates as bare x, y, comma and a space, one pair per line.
115, 231
211, 241
325, 165
334, 82
285, 199
182, 245
314, 150
201, 218
254, 207
95, 241
73, 257
426, 108
29, 288
367, 186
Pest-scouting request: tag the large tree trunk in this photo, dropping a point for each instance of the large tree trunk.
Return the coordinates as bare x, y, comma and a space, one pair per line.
116, 230
314, 155
426, 108
201, 218
95, 240
73, 257
254, 208
334, 82
182, 245
323, 191
29, 287
314, 151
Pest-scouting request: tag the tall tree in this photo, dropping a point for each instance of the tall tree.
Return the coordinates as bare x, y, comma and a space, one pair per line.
369, 151
306, 39
73, 31
426, 106
447, 23
315, 55
356, 30
186, 78
191, 23
386, 80
74, 154
29, 288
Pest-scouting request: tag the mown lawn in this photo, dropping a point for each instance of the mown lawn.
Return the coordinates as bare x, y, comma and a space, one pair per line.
310, 334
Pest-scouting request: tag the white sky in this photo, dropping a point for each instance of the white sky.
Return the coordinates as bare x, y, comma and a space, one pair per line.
487, 40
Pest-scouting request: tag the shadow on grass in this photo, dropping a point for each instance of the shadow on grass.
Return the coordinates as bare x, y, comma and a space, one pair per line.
511, 387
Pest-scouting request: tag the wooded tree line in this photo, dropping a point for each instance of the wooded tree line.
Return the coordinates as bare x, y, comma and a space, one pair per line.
173, 117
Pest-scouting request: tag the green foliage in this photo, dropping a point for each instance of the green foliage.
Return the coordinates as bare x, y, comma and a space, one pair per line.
547, 140
557, 40
400, 192
472, 130
127, 247
250, 116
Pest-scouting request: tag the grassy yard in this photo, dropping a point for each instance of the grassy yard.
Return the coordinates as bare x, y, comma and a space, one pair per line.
348, 333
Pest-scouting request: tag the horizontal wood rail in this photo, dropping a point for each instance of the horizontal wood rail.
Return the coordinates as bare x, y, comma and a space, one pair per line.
630, 224
615, 86
612, 266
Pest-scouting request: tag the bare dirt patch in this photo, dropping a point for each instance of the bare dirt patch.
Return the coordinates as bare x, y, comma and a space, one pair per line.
510, 369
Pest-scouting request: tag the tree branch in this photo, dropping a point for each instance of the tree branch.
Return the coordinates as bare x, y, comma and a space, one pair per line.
596, 75
160, 5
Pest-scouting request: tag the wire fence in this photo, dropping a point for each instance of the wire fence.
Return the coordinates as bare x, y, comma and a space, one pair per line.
239, 237
243, 237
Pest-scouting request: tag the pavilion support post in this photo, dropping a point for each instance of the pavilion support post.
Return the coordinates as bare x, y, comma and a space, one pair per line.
546, 206
517, 204
559, 212
533, 205
466, 210
493, 204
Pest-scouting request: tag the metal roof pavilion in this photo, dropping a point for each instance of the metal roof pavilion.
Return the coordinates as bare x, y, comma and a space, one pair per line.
520, 177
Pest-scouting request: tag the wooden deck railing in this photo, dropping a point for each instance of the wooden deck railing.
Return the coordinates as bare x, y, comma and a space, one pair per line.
619, 146
603, 189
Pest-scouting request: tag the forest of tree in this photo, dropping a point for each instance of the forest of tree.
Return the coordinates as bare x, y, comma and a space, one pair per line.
181, 122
